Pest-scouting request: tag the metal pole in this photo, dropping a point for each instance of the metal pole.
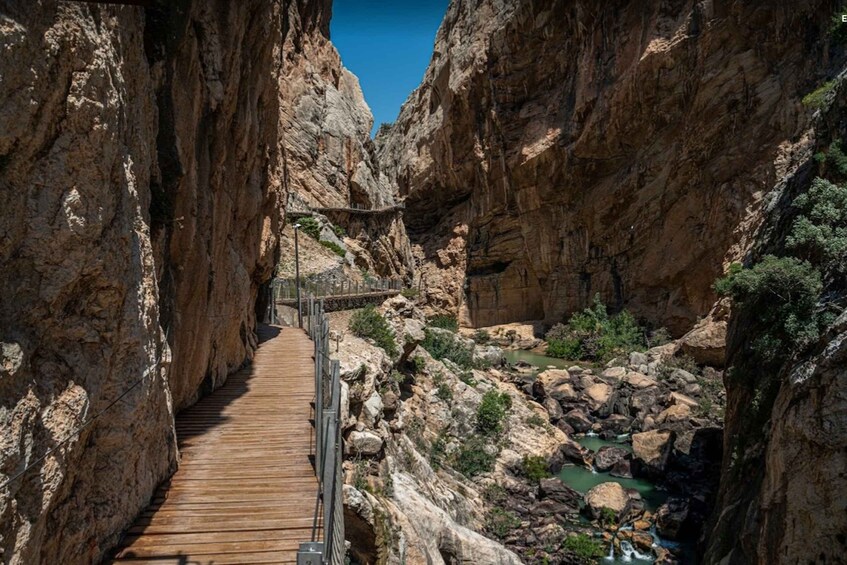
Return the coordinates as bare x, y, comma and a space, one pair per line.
297, 276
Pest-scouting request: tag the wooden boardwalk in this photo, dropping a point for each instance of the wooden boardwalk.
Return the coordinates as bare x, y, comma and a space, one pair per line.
245, 489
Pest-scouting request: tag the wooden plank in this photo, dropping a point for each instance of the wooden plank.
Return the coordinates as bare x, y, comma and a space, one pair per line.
245, 489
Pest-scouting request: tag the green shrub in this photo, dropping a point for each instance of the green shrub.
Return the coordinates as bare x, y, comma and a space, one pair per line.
584, 546
418, 364
447, 346
494, 493
467, 378
369, 323
472, 459
594, 335
310, 227
492, 411
410, 293
608, 517
818, 97
834, 160
819, 233
500, 522
444, 392
444, 322
438, 451
339, 231
781, 294
536, 421
684, 362
534, 468
331, 245
481, 337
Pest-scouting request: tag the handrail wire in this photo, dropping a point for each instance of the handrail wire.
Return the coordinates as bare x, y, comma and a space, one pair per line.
89, 421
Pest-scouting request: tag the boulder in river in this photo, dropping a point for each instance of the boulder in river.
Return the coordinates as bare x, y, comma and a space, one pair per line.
652, 449
578, 420
607, 495
607, 456
671, 518
555, 489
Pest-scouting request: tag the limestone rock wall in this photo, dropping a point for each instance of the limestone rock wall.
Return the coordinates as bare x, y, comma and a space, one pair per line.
783, 487
142, 179
555, 150
328, 157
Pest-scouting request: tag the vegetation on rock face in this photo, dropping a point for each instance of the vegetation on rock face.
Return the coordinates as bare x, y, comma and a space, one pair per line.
500, 522
472, 458
368, 323
819, 233
595, 335
481, 337
783, 292
310, 227
447, 346
444, 322
492, 411
818, 97
584, 546
332, 246
534, 468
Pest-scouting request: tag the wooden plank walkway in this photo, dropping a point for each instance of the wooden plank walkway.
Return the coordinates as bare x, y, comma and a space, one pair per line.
245, 489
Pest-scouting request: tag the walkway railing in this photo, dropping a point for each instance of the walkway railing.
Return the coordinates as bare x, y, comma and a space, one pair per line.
285, 290
329, 506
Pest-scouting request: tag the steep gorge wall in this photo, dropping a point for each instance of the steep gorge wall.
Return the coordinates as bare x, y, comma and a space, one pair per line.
560, 149
142, 177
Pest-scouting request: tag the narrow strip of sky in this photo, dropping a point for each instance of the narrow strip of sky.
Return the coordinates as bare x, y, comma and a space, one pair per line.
388, 45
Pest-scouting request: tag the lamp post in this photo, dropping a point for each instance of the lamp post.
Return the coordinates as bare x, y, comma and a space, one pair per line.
297, 276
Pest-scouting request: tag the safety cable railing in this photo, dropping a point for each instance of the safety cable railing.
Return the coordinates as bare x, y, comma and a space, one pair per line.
286, 289
329, 507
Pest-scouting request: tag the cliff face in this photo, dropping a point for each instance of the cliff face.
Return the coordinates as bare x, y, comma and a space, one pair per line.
557, 150
328, 156
141, 185
783, 485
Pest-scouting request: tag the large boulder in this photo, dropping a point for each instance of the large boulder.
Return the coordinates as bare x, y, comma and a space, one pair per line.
556, 384
555, 489
607, 456
364, 443
671, 518
488, 356
570, 451
611, 496
599, 394
652, 449
578, 420
371, 410
706, 343
554, 409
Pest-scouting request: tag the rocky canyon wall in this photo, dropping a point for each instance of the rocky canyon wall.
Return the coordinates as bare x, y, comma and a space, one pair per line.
555, 150
143, 170
783, 485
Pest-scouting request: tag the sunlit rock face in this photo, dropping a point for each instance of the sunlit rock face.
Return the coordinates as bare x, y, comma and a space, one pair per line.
141, 190
555, 150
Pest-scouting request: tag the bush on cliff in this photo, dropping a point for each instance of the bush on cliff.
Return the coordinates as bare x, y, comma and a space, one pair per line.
368, 323
442, 345
595, 335
492, 411
782, 294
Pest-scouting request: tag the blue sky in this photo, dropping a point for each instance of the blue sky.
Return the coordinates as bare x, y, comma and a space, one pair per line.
388, 45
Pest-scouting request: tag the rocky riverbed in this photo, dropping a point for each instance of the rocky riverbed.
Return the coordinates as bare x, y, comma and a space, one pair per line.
426, 482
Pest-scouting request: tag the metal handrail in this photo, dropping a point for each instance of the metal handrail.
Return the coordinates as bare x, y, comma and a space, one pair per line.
329, 506
286, 289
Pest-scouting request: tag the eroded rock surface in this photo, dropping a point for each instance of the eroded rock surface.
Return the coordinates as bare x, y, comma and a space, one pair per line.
543, 162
